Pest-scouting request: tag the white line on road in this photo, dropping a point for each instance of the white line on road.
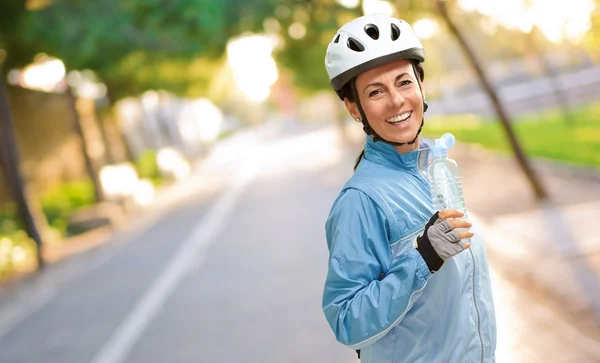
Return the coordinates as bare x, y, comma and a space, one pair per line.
47, 286
119, 345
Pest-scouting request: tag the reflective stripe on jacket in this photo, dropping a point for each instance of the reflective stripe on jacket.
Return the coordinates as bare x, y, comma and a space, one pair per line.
379, 295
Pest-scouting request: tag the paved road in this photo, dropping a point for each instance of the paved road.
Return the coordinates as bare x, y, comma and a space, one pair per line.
229, 267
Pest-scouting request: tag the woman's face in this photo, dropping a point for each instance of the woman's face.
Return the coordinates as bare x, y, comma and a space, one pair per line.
392, 101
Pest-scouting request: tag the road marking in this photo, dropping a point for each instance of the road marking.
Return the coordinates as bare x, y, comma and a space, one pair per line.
45, 289
127, 334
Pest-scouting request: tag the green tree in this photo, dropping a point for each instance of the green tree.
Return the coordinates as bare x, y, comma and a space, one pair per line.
132, 45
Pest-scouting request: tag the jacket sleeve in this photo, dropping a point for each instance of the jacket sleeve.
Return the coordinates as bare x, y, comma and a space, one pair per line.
365, 294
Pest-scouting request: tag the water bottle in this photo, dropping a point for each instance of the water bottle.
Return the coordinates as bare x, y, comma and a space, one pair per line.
444, 178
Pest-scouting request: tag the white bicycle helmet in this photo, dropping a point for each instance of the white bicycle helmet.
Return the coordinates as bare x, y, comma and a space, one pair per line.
368, 42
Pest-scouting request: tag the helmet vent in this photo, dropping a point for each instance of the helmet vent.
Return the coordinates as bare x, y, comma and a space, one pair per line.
337, 39
355, 45
372, 31
395, 32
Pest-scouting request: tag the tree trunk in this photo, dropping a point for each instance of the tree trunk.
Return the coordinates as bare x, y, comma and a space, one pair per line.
89, 164
10, 164
112, 101
538, 188
100, 121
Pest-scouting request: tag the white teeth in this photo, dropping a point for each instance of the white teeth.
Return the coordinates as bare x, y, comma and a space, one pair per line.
399, 118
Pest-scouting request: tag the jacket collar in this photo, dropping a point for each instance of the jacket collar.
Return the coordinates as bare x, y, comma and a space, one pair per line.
383, 153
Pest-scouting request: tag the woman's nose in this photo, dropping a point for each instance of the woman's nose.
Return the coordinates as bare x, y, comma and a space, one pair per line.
397, 98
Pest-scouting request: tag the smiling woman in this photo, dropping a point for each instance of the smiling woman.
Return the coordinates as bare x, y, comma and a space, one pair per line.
392, 101
385, 239
346, 93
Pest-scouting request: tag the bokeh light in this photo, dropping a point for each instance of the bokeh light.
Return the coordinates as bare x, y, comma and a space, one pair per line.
377, 7
558, 20
44, 74
254, 68
426, 28
350, 4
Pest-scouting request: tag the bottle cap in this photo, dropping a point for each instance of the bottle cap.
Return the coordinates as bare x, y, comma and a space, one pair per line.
442, 144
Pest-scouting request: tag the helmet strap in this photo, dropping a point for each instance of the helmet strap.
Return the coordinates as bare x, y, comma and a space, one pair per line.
369, 130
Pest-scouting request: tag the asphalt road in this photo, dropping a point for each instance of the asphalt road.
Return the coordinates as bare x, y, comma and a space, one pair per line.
228, 267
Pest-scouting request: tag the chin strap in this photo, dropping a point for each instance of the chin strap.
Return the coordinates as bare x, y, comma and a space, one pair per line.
369, 130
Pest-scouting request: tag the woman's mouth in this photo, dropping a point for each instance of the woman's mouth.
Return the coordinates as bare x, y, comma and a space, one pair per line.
399, 119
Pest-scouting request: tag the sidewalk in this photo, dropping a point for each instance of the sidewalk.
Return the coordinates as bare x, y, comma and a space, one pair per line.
552, 248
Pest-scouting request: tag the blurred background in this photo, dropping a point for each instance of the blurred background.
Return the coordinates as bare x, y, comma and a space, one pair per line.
167, 168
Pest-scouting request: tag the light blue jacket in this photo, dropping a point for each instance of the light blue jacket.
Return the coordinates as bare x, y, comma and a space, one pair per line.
379, 295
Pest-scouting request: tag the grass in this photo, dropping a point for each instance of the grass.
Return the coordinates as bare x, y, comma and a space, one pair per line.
544, 134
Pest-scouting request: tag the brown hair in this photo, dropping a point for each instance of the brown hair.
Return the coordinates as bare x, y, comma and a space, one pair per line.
346, 92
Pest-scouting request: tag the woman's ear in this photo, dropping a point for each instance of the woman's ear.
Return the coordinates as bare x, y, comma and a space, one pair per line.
352, 108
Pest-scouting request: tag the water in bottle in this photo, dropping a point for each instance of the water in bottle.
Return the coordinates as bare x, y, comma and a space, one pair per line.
444, 178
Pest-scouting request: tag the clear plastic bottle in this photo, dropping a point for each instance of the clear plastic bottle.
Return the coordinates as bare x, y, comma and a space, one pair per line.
444, 178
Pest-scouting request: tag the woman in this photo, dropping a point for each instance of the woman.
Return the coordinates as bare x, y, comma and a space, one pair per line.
402, 286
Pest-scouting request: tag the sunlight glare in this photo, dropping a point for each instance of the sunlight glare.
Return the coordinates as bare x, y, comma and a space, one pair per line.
44, 74
209, 120
468, 5
144, 193
253, 66
425, 28
560, 20
377, 7
119, 180
557, 19
349, 4
297, 31
18, 255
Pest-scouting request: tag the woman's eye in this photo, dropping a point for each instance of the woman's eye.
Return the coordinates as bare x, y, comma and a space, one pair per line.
374, 93
405, 83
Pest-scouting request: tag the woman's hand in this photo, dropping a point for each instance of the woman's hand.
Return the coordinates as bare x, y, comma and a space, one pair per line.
440, 240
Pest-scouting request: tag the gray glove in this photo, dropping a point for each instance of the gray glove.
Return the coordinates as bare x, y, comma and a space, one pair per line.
439, 242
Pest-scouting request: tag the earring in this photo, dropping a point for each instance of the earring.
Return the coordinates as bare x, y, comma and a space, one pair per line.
357, 119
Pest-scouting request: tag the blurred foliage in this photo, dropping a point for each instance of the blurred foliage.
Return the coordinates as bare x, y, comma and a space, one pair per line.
592, 40
12, 14
542, 134
17, 250
179, 45
9, 223
17, 253
132, 45
59, 203
305, 56
147, 167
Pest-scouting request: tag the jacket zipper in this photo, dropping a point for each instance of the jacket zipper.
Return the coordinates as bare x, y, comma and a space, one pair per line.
476, 309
